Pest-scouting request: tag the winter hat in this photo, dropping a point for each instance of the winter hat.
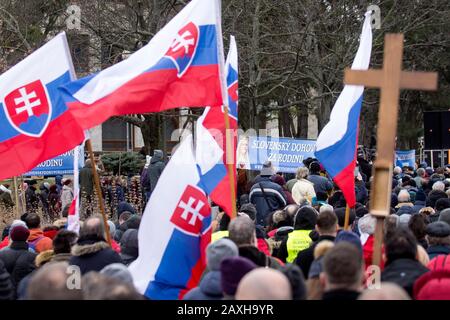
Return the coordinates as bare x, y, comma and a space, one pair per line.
19, 233
420, 195
249, 209
267, 169
305, 218
232, 271
118, 271
349, 236
129, 246
438, 229
445, 216
16, 223
219, 250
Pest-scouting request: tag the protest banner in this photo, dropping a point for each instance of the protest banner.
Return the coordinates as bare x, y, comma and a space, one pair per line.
405, 158
60, 165
286, 154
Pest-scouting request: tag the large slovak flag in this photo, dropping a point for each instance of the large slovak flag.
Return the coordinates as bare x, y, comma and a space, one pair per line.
337, 142
211, 146
34, 120
179, 67
174, 231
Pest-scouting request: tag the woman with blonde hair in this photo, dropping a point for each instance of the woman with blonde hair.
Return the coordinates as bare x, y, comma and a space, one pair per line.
303, 189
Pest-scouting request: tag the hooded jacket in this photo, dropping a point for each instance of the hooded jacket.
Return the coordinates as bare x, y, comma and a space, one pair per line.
209, 288
305, 219
93, 254
38, 241
403, 272
66, 196
156, 168
405, 208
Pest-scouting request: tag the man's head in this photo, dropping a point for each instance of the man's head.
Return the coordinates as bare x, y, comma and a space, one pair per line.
314, 167
217, 251
387, 291
343, 268
51, 283
403, 196
124, 216
63, 241
438, 233
264, 284
400, 244
326, 223
93, 228
97, 286
340, 214
421, 172
397, 170
242, 231
438, 185
33, 221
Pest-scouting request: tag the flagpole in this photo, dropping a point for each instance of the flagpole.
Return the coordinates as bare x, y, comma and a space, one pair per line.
98, 189
16, 195
230, 161
347, 217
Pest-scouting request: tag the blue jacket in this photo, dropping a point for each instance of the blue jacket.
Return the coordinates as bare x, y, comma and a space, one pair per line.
434, 251
321, 184
418, 205
209, 288
405, 210
276, 199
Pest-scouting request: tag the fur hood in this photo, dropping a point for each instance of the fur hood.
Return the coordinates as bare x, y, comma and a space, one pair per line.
82, 249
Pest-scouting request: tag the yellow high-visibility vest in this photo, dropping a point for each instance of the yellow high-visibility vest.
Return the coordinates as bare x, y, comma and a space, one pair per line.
219, 235
298, 240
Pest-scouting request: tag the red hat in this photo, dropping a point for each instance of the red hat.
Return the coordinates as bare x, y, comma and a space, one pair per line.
19, 233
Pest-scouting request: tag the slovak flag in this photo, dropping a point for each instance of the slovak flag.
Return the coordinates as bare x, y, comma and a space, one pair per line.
211, 143
34, 120
337, 142
174, 231
179, 67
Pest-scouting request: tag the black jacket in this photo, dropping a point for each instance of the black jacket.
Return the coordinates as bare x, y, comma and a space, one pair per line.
306, 257
32, 200
341, 294
19, 262
259, 258
93, 255
403, 272
6, 285
155, 169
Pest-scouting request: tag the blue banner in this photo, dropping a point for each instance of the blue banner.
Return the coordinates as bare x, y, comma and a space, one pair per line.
405, 158
61, 165
285, 154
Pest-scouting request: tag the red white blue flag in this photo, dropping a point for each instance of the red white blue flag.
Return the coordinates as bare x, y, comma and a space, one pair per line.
174, 231
337, 142
34, 120
211, 143
179, 67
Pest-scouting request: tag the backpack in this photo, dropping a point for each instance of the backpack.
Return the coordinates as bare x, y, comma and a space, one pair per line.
33, 244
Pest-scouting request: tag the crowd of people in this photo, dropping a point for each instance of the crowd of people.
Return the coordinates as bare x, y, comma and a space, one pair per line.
288, 242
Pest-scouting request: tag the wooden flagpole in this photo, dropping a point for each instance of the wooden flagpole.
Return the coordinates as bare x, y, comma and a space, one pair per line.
16, 195
98, 190
347, 217
390, 80
230, 160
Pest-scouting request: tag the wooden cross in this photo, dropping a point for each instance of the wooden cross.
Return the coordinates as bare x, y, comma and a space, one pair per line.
391, 79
